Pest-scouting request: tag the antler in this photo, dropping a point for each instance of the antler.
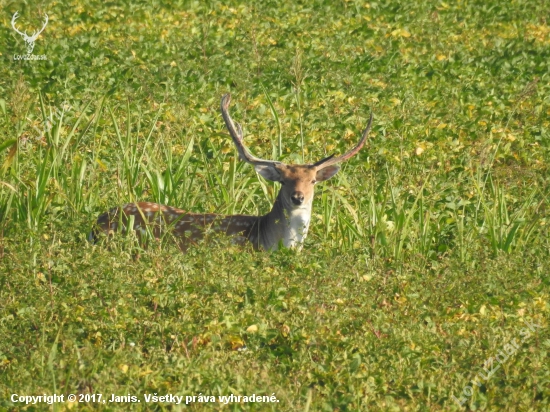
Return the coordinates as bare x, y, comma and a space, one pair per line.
36, 34
237, 135
328, 161
15, 17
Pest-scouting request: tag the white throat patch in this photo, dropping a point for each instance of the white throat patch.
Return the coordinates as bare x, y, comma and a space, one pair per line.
298, 225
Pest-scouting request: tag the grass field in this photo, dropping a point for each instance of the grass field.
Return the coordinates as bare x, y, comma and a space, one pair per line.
424, 282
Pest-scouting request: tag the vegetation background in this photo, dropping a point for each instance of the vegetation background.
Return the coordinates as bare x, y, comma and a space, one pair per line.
427, 253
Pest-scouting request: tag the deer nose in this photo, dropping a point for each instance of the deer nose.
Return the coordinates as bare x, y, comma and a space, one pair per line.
297, 198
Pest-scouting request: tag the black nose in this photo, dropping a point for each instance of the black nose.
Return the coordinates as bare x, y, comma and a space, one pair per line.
297, 198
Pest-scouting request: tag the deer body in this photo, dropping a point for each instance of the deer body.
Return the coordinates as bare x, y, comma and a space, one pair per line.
184, 226
287, 222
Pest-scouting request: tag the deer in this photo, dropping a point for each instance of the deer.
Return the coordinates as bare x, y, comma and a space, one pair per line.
287, 223
32, 38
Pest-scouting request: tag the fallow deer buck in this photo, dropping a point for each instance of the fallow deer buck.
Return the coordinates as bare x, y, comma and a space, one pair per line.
288, 220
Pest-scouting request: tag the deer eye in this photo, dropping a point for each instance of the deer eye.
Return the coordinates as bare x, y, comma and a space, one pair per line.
314, 181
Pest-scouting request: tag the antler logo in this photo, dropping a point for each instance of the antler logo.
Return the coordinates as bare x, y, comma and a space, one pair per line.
29, 40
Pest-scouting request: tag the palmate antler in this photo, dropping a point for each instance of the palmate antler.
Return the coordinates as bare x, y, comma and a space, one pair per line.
32, 38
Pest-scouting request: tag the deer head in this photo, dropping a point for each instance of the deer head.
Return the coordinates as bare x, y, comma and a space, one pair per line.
297, 181
29, 40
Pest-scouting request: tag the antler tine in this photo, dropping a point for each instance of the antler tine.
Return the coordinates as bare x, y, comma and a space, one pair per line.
328, 161
236, 133
35, 35
15, 17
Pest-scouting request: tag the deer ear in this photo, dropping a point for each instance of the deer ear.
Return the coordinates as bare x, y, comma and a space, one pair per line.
268, 172
326, 173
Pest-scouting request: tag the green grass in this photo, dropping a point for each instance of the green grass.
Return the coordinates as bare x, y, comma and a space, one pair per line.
427, 253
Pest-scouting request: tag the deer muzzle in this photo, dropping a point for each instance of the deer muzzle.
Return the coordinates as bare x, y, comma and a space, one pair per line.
297, 198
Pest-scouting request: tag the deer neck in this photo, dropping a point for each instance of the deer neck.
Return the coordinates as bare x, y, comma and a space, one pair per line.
284, 223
